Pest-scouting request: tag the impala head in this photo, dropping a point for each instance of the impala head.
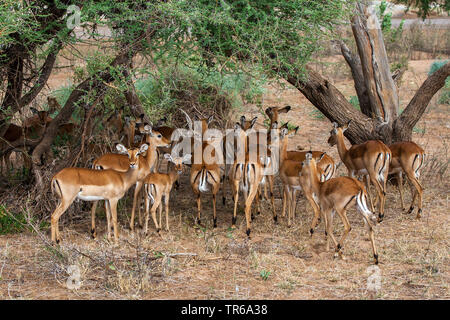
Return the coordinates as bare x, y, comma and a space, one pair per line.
40, 117
133, 153
178, 161
332, 140
272, 112
247, 124
309, 166
155, 137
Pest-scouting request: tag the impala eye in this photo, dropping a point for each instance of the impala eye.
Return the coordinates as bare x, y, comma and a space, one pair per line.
159, 136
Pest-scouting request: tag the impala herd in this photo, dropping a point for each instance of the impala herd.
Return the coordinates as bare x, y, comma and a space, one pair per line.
246, 160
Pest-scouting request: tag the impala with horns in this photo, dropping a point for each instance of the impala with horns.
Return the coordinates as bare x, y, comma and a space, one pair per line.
119, 162
370, 159
408, 158
94, 185
159, 185
336, 196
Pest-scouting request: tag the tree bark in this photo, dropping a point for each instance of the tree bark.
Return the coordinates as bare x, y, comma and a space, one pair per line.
381, 89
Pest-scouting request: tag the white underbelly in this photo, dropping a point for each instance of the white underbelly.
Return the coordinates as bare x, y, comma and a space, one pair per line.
89, 198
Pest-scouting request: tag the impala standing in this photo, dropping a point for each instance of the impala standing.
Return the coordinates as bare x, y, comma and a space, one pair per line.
408, 157
370, 159
93, 185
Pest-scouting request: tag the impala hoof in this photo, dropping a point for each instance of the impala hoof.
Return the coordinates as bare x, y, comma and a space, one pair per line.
93, 234
375, 257
410, 209
275, 219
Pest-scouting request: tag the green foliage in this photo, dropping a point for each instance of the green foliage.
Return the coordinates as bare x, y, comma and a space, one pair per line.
436, 66
174, 86
444, 97
10, 223
354, 101
425, 7
265, 274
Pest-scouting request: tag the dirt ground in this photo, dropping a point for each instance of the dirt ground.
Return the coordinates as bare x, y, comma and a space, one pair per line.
191, 262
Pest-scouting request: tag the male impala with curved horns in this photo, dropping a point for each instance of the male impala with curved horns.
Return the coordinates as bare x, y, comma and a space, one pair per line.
336, 195
370, 159
408, 157
93, 185
119, 162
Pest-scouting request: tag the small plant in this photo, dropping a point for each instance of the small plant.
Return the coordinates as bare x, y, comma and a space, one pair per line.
354, 101
265, 274
316, 114
10, 223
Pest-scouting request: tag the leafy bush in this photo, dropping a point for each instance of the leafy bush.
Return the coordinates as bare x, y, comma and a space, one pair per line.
172, 87
444, 96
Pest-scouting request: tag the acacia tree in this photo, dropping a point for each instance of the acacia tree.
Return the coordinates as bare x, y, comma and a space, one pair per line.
280, 37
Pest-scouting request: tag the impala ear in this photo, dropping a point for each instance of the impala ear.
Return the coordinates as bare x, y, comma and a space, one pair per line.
274, 125
345, 127
143, 148
285, 125
285, 109
296, 129
321, 157
121, 149
284, 132
308, 156
237, 126
242, 120
168, 156
148, 130
335, 125
210, 119
269, 111
252, 123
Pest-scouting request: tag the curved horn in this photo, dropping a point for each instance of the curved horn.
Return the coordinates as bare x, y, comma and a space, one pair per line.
188, 119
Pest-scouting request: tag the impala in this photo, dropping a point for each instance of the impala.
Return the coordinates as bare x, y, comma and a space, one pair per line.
204, 179
408, 157
289, 171
245, 175
94, 185
119, 162
370, 159
159, 185
336, 195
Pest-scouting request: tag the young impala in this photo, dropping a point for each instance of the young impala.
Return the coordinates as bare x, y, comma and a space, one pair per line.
408, 157
120, 163
370, 159
93, 185
335, 196
158, 185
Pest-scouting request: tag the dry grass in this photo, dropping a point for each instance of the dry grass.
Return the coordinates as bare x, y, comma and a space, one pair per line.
190, 262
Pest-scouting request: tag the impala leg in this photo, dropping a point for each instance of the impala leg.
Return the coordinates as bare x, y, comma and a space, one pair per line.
400, 188
93, 209
342, 213
248, 207
316, 210
166, 202
214, 211
380, 193
199, 208
369, 226
155, 205
288, 205
285, 198
147, 209
160, 207
135, 196
418, 192
113, 208
272, 200
294, 203
367, 183
236, 200
60, 209
108, 219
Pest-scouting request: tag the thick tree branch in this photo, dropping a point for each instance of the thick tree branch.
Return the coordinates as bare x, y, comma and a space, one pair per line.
419, 103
